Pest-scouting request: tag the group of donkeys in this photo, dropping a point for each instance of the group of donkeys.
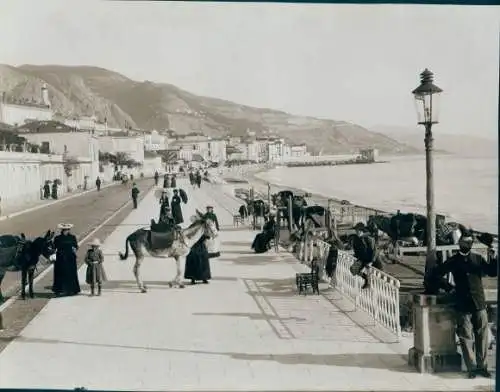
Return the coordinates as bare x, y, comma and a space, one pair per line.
403, 228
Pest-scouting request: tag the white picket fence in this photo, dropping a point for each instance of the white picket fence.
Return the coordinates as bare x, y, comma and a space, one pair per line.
380, 300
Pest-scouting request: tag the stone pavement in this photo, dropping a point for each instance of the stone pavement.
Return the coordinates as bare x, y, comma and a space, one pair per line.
246, 330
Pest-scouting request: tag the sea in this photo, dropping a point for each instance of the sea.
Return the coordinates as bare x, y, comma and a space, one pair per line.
466, 188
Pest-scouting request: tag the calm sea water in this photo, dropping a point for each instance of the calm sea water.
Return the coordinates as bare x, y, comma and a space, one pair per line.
466, 189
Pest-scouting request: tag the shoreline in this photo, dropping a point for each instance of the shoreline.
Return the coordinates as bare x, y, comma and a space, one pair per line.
249, 173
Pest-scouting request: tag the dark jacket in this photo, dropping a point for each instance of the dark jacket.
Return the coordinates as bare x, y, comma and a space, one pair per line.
212, 216
467, 273
135, 192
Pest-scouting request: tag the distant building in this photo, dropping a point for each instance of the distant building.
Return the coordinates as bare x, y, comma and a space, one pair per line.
370, 154
298, 150
276, 150
133, 146
153, 141
18, 112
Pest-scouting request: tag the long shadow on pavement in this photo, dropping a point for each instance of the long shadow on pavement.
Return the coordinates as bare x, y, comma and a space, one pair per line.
393, 362
252, 316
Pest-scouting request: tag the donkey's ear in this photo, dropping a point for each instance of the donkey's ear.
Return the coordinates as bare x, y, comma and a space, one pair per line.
199, 213
23, 236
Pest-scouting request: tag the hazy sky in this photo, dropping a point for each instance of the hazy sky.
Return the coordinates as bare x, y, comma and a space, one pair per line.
347, 62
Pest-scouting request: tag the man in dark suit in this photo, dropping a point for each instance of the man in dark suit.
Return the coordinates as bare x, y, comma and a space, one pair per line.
468, 269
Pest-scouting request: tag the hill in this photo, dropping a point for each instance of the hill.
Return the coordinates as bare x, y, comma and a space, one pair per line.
84, 90
463, 145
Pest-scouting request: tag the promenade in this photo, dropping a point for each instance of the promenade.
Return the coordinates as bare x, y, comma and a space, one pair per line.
246, 330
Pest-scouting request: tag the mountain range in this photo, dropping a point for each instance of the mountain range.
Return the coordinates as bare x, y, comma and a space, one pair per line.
462, 145
88, 90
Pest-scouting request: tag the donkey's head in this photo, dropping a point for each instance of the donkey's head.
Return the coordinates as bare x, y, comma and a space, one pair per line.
45, 245
209, 227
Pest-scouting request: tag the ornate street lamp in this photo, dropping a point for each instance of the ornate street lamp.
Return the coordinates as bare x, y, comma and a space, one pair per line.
426, 102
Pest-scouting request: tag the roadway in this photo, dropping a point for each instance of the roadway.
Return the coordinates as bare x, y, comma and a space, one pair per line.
86, 212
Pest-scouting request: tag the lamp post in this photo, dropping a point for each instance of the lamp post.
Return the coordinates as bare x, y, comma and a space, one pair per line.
426, 102
434, 340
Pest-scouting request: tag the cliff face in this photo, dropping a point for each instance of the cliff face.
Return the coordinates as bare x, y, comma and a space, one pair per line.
91, 90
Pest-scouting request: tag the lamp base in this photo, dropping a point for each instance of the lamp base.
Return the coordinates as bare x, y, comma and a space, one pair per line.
434, 363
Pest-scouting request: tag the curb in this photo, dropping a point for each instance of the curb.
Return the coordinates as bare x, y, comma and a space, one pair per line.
40, 206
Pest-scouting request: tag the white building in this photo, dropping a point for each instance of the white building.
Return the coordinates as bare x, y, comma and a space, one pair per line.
133, 146
82, 147
276, 150
217, 150
153, 141
19, 112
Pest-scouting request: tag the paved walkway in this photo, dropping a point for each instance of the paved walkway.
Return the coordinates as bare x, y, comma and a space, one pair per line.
246, 330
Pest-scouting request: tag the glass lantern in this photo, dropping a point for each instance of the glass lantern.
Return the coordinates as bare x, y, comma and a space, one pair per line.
427, 99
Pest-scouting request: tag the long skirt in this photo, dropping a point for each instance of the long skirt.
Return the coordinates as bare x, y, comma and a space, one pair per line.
95, 274
65, 275
197, 263
261, 242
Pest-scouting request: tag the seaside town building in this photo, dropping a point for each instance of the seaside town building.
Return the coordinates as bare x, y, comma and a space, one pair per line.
131, 146
18, 112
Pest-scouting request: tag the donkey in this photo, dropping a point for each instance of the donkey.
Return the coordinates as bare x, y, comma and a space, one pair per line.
19, 254
172, 243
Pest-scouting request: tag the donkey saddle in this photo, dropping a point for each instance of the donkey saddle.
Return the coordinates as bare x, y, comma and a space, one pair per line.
162, 236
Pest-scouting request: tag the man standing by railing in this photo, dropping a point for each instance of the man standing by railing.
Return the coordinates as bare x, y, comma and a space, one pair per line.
472, 319
366, 253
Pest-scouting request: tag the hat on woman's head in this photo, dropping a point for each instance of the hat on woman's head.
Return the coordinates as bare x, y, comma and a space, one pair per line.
95, 242
64, 226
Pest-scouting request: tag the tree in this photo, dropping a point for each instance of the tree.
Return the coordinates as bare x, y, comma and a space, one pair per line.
70, 164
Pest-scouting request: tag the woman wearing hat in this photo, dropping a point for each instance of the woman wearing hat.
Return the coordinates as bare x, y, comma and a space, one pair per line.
176, 208
95, 271
65, 266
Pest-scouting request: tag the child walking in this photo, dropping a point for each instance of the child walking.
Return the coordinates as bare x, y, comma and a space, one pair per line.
95, 271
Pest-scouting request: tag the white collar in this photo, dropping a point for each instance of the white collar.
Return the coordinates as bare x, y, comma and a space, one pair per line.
464, 254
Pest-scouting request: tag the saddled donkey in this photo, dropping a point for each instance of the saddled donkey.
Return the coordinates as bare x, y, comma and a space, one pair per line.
20, 254
172, 243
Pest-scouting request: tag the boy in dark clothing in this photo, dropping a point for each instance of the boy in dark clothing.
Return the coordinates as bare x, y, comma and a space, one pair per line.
468, 269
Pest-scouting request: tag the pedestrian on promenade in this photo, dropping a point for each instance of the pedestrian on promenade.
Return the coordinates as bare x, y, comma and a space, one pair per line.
135, 194
176, 208
262, 240
197, 262
192, 179
54, 190
173, 181
198, 178
365, 252
95, 274
335, 245
98, 184
213, 245
157, 178
243, 213
166, 181
46, 190
468, 269
65, 266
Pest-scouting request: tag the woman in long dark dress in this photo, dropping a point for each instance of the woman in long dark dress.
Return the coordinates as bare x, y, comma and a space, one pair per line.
176, 208
262, 240
65, 267
197, 263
